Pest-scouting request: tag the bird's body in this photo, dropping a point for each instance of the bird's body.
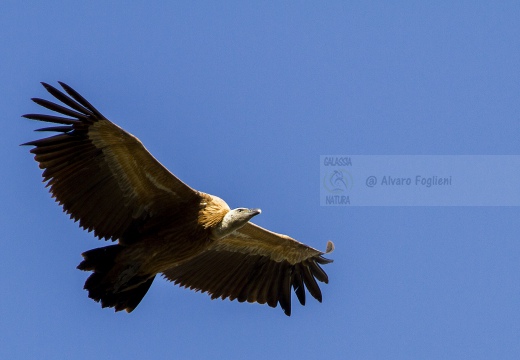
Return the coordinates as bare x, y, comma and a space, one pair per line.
105, 178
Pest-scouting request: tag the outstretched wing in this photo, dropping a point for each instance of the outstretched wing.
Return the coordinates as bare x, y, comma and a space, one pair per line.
102, 175
255, 265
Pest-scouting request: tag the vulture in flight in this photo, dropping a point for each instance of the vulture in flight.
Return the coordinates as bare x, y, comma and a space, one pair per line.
105, 178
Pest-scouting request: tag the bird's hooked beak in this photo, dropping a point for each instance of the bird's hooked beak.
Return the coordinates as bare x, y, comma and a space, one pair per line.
255, 212
248, 214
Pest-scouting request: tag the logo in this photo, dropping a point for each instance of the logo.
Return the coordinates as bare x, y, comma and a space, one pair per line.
337, 181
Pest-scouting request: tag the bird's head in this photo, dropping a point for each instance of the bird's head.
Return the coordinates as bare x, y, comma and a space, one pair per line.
234, 220
240, 216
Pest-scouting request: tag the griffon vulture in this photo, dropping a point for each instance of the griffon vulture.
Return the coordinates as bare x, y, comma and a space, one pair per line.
105, 178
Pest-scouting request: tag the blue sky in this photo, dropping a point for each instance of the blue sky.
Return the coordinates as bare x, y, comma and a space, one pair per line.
240, 101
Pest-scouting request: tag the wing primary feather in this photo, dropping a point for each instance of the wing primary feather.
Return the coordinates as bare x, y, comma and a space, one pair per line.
317, 271
285, 291
55, 128
321, 260
65, 99
76, 96
310, 283
51, 118
49, 140
60, 109
299, 289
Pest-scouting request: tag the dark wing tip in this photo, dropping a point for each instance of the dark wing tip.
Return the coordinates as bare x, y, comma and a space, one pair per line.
76, 96
51, 89
51, 118
298, 287
318, 272
55, 129
65, 86
284, 298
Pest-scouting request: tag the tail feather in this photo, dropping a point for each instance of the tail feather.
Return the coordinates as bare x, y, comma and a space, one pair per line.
113, 284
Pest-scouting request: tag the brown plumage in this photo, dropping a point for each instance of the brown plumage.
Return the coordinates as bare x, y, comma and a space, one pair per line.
105, 178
